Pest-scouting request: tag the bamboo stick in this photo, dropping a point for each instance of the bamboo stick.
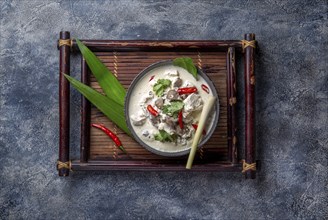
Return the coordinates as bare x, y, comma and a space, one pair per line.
64, 100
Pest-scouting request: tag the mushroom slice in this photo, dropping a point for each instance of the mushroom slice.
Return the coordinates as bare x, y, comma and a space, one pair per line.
172, 95
159, 103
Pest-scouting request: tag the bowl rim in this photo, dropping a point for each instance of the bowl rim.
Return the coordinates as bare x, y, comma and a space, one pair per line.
127, 116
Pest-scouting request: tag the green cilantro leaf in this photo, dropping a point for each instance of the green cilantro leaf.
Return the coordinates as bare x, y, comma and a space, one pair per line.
160, 86
174, 108
163, 136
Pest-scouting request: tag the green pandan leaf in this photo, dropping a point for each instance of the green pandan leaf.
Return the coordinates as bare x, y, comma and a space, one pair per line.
106, 79
187, 64
113, 110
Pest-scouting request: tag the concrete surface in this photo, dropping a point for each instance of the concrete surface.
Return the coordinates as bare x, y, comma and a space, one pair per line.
292, 100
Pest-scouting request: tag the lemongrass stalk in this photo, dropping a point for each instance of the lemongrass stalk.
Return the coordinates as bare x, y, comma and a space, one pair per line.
203, 118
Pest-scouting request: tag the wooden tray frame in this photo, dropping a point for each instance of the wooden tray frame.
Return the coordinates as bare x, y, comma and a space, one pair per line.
246, 46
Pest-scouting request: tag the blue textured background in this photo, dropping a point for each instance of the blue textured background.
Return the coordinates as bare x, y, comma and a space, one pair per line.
292, 100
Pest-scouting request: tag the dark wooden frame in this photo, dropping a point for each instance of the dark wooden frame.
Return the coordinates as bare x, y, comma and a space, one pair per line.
230, 47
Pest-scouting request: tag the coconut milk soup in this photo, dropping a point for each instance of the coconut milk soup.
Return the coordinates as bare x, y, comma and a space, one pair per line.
165, 108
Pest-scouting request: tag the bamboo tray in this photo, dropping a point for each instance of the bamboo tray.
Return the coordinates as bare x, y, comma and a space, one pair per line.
126, 59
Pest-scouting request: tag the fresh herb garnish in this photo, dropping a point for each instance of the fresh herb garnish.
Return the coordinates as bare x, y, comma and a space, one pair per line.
163, 136
110, 108
160, 86
173, 109
187, 64
112, 105
106, 79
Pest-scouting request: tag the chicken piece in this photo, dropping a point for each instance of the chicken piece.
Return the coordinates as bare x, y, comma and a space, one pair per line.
145, 98
138, 119
185, 133
154, 120
170, 122
172, 95
173, 73
166, 127
181, 141
188, 119
192, 103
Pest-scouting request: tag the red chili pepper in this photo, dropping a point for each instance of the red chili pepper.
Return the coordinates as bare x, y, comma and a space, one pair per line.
151, 78
187, 90
205, 88
152, 110
180, 120
111, 135
196, 126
